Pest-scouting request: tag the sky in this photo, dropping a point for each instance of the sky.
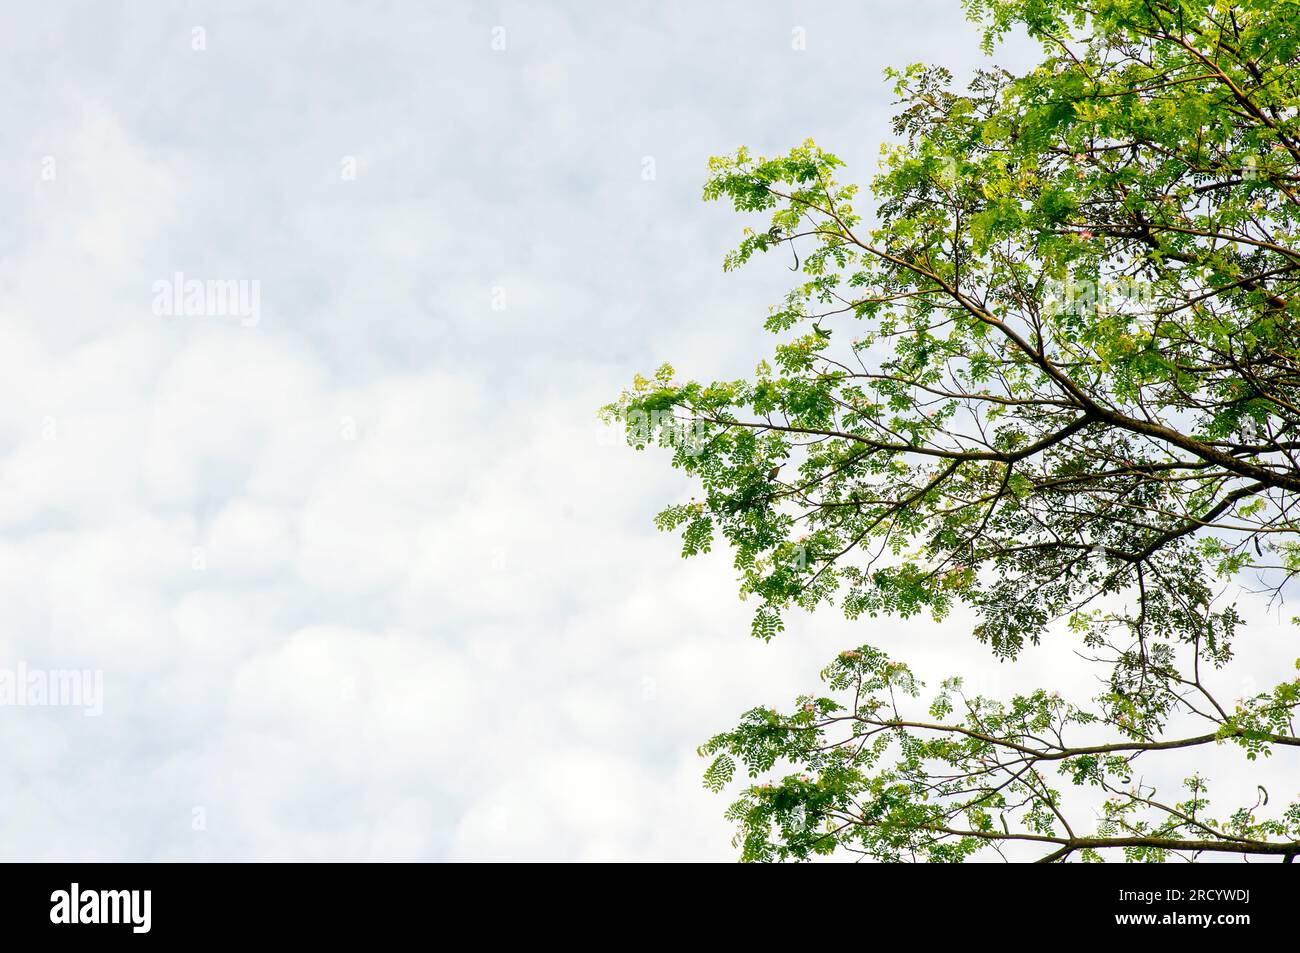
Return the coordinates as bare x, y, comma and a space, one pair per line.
357, 570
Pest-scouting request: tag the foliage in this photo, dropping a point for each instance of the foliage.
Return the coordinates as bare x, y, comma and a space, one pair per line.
1055, 379
972, 773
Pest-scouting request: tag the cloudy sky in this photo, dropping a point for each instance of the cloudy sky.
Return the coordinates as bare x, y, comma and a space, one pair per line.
364, 576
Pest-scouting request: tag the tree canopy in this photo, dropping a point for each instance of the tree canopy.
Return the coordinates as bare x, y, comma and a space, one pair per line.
1049, 372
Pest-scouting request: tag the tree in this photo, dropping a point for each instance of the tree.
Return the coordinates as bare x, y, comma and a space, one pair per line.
1055, 380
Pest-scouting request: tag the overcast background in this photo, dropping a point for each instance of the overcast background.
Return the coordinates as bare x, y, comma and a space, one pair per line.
368, 580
